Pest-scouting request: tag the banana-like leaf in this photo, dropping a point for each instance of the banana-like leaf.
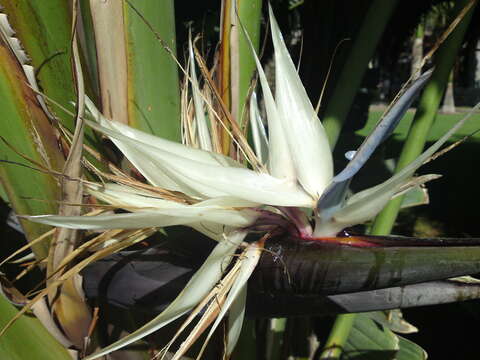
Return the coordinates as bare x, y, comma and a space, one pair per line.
28, 131
134, 89
371, 340
44, 30
26, 337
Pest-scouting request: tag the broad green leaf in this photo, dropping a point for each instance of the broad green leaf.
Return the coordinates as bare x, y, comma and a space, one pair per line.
27, 336
153, 85
44, 30
135, 89
28, 130
370, 340
410, 351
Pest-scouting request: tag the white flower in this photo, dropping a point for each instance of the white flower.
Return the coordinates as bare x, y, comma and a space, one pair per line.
224, 199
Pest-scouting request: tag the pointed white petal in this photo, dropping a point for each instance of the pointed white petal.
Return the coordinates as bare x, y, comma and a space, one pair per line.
259, 134
214, 180
235, 320
252, 256
127, 197
202, 128
124, 196
203, 156
303, 130
154, 218
196, 289
280, 162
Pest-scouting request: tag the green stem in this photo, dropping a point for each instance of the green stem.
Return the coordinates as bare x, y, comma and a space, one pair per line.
338, 337
352, 73
425, 115
250, 14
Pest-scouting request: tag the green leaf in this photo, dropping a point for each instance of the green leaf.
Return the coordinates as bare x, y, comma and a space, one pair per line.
249, 13
27, 129
370, 340
410, 351
27, 336
153, 90
44, 30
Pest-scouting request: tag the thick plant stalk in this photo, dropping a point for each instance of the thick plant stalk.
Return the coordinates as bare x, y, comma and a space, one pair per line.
243, 63
426, 112
360, 54
338, 337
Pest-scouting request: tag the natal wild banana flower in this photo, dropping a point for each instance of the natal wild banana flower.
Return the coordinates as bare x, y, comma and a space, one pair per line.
291, 190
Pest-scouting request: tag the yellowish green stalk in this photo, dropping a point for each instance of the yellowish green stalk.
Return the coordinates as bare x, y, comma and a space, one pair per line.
351, 76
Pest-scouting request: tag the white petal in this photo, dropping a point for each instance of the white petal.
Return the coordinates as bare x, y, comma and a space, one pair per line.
252, 256
202, 128
127, 197
303, 130
280, 162
214, 180
235, 320
154, 218
259, 134
203, 156
196, 289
